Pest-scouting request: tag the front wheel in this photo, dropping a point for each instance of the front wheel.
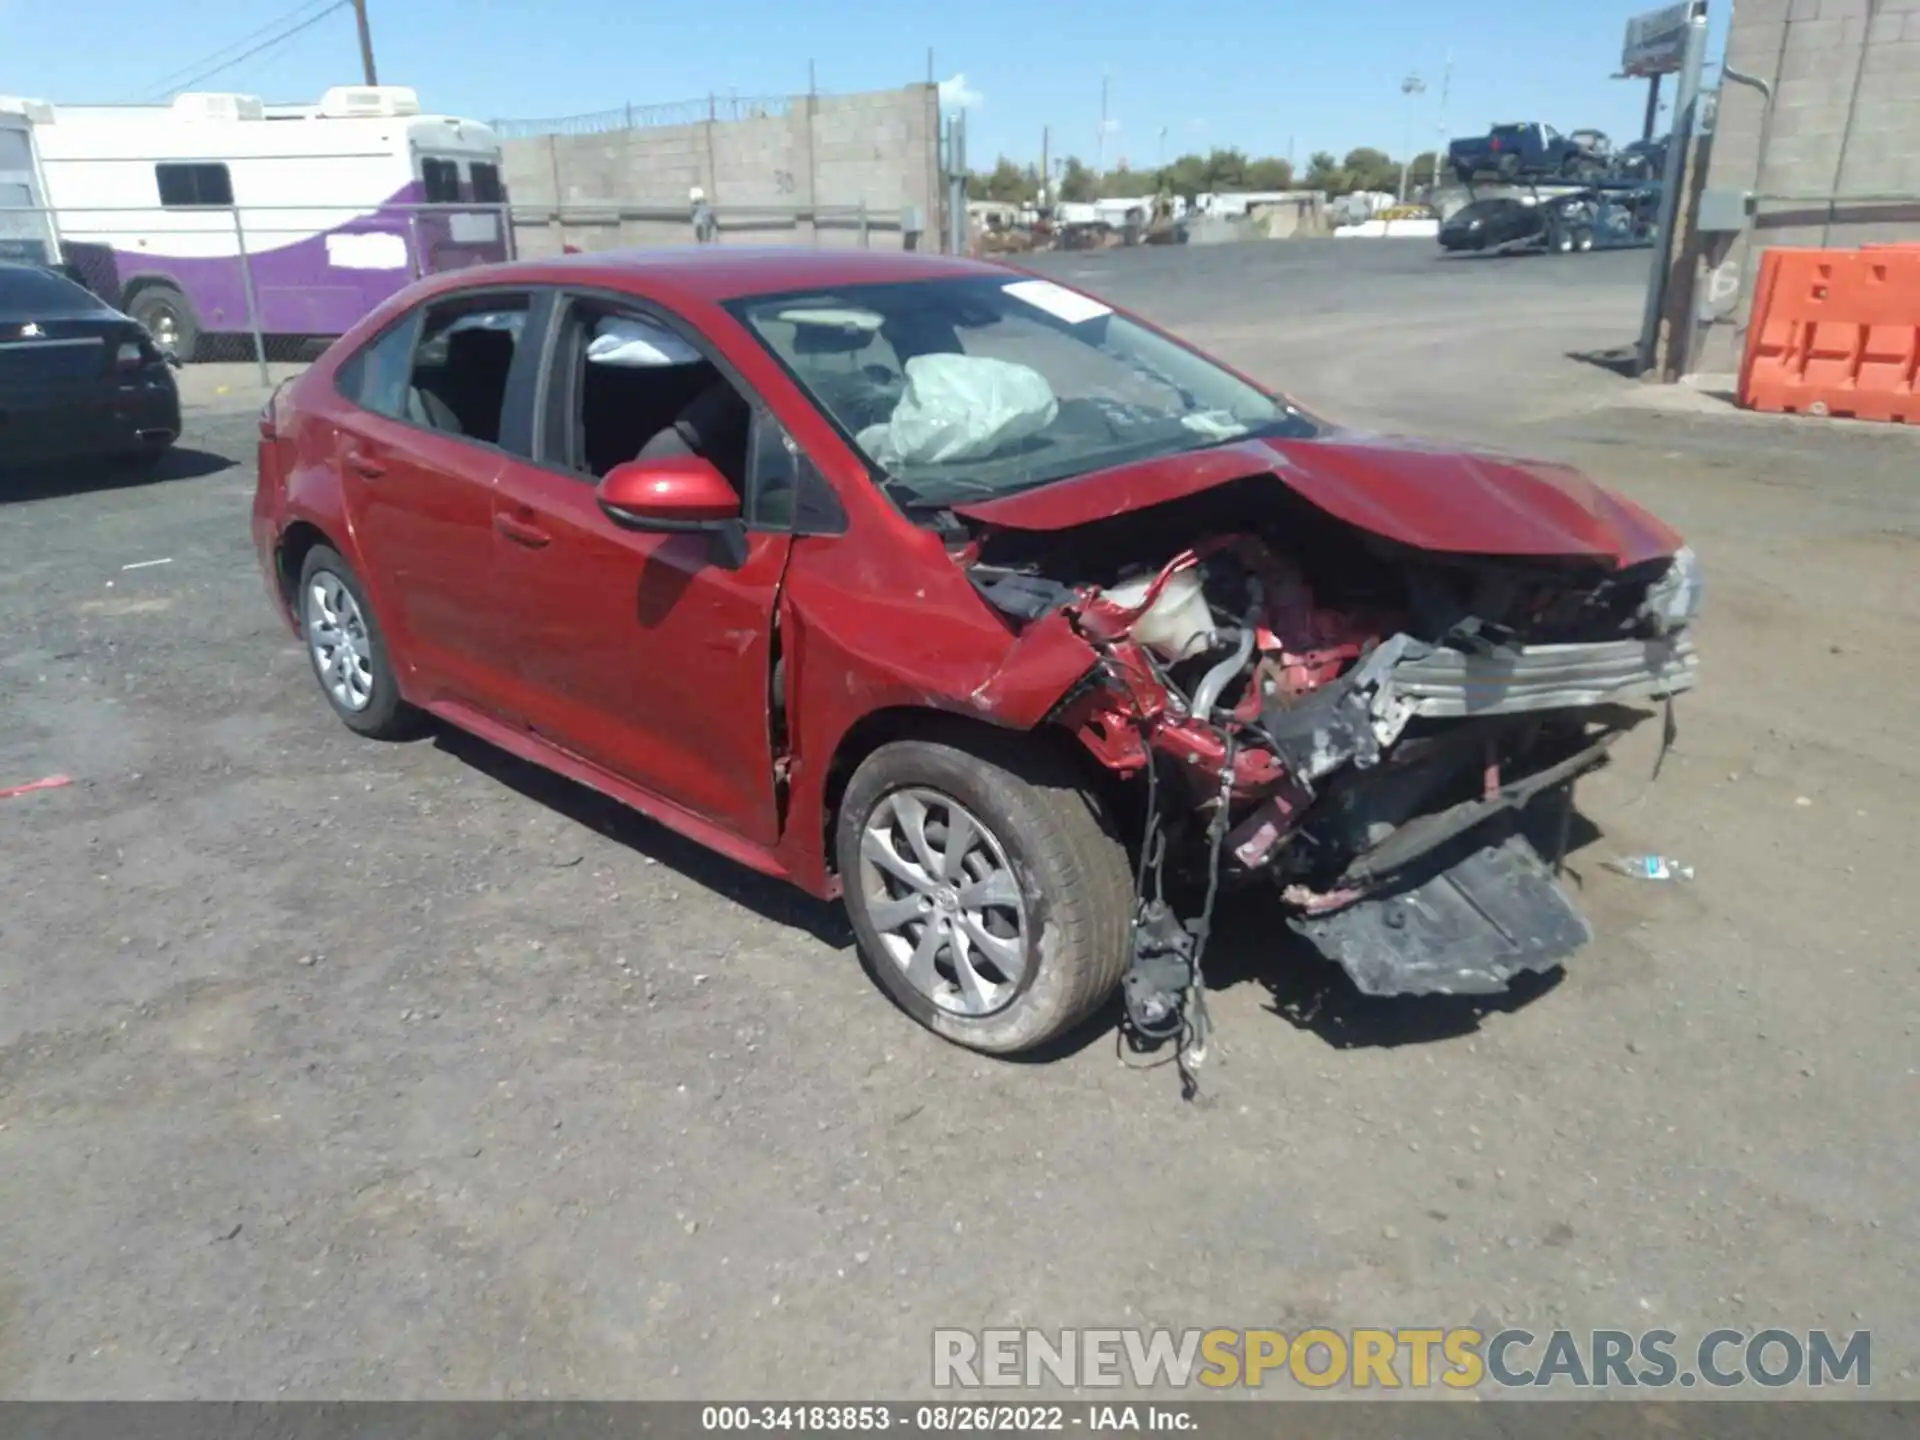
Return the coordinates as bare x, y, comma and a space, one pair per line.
988, 891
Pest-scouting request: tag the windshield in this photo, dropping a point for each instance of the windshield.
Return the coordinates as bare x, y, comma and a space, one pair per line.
978, 386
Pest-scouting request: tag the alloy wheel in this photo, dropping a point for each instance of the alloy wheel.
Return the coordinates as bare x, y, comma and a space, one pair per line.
337, 635
937, 885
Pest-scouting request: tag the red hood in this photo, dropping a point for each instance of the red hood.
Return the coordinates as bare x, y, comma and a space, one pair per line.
1452, 501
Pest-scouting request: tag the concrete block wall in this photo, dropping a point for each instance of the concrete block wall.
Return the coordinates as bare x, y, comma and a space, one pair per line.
1845, 122
881, 149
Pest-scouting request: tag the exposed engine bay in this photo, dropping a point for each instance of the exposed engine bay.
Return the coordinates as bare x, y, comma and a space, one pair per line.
1356, 723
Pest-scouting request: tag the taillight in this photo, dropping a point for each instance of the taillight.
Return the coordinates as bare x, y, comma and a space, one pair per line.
130, 356
1496, 147
266, 422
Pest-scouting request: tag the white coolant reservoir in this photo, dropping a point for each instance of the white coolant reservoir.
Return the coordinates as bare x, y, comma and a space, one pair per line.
1178, 623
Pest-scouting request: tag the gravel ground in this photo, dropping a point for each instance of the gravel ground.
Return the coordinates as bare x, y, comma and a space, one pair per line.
338, 1069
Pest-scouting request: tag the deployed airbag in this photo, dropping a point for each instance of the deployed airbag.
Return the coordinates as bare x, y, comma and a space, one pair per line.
624, 341
962, 407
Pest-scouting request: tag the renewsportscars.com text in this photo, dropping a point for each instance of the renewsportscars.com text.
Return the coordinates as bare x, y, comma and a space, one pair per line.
1413, 1359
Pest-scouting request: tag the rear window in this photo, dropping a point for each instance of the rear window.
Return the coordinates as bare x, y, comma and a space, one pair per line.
25, 290
1482, 209
1510, 132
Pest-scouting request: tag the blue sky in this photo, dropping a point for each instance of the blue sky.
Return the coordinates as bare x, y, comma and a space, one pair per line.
1261, 75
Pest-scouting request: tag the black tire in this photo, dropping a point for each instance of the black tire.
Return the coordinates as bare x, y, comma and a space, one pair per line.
164, 310
1583, 239
1070, 866
1561, 241
385, 716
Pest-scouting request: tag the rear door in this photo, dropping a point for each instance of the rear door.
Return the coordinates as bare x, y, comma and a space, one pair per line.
433, 420
650, 655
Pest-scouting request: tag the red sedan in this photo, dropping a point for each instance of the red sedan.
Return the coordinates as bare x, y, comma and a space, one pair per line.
962, 595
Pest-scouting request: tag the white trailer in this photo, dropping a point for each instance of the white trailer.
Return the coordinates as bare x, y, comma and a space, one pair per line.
218, 212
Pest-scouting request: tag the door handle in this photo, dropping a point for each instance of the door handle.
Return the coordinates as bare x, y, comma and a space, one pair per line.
364, 465
521, 532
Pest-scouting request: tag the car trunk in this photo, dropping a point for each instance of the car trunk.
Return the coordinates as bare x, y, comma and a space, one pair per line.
60, 377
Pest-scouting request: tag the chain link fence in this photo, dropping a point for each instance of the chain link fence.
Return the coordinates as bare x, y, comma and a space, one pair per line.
257, 283
261, 284
588, 226
713, 109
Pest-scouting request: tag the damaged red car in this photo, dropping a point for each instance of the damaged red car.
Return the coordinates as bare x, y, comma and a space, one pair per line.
959, 594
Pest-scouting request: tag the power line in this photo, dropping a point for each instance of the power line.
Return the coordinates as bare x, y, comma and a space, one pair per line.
173, 85
164, 84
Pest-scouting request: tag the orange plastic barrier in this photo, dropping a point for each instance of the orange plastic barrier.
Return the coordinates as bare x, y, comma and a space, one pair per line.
1835, 332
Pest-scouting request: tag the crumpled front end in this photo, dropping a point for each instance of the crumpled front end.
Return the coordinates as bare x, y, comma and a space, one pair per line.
1360, 725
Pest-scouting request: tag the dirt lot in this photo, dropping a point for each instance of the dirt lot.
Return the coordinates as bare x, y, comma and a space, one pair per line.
332, 1069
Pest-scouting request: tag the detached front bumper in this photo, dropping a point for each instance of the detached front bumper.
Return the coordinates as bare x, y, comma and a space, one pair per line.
1455, 899
1488, 912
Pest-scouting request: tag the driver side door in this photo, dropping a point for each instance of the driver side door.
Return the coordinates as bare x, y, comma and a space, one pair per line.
649, 655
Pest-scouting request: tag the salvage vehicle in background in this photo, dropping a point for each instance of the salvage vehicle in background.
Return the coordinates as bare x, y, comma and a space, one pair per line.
1508, 223
1529, 151
1564, 221
967, 598
78, 379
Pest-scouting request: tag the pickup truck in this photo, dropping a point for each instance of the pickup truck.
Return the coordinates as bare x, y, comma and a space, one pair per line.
1532, 151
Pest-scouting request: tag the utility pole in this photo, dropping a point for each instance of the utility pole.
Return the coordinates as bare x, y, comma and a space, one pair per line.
1411, 86
1046, 168
1440, 143
366, 42
1100, 146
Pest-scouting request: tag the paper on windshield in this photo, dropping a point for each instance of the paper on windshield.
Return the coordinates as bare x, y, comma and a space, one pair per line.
1058, 301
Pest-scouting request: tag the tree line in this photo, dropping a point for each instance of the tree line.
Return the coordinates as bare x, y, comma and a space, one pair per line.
1218, 171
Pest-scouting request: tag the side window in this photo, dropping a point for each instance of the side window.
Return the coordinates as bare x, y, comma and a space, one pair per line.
787, 492
486, 183
441, 181
380, 373
182, 185
628, 387
776, 475
458, 378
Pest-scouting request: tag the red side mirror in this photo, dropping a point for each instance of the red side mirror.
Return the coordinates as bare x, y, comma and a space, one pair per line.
682, 493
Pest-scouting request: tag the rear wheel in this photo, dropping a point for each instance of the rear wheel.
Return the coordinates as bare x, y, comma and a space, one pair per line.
988, 891
348, 652
1583, 238
169, 318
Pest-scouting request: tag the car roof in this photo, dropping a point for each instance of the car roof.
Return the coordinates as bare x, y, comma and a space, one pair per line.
722, 272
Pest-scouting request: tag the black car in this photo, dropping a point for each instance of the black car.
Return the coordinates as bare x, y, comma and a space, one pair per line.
1579, 220
1495, 225
78, 379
